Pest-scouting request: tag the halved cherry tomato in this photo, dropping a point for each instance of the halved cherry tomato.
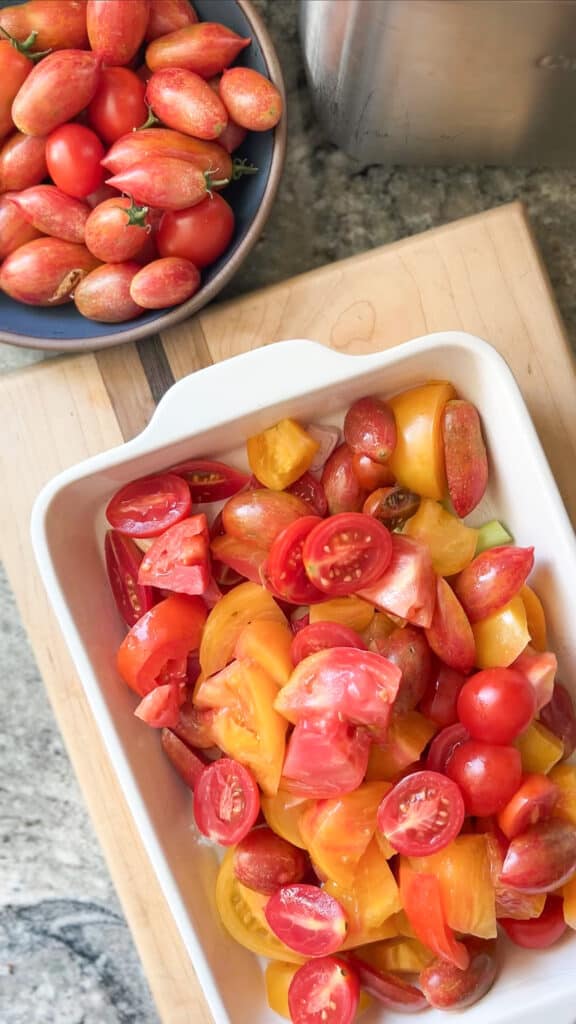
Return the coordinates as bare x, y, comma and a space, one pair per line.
539, 932
244, 557
123, 559
179, 559
147, 507
391, 505
421, 814
346, 552
533, 802
284, 572
319, 636
265, 862
209, 480
306, 919
170, 630
390, 990
311, 491
259, 515
339, 747
487, 775
496, 705
161, 707
185, 761
226, 801
324, 991
443, 746
422, 902
408, 587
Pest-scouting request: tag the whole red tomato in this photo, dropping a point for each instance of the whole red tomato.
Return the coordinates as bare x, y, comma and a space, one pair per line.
185, 102
73, 155
15, 67
59, 24
168, 16
56, 90
200, 233
116, 28
22, 162
165, 282
46, 271
252, 100
117, 230
105, 293
119, 105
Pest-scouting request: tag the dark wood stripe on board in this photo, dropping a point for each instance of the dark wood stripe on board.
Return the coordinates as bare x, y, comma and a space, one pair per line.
156, 366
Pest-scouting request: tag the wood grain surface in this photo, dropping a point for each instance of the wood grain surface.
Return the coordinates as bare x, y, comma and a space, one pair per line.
482, 275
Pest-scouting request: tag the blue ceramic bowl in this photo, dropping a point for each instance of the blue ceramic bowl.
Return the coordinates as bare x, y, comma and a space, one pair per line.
251, 198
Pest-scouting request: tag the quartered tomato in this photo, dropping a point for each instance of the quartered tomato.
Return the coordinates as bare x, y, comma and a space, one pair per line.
280, 455
306, 919
284, 572
421, 814
408, 586
422, 902
209, 480
179, 559
226, 801
170, 630
123, 558
325, 757
324, 991
319, 636
346, 552
234, 611
147, 507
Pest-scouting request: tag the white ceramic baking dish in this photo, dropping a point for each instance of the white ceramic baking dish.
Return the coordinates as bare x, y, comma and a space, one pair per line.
211, 413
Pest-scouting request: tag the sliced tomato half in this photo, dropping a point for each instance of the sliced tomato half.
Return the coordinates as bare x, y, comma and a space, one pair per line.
169, 631
345, 552
306, 919
325, 757
421, 814
324, 991
284, 573
161, 707
179, 559
226, 801
123, 558
147, 507
209, 480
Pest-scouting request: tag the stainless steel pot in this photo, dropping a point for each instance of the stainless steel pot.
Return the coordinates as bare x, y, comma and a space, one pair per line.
445, 81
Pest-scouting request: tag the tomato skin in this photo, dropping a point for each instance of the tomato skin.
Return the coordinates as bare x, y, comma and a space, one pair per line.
250, 99
123, 558
116, 28
370, 474
264, 862
104, 294
311, 491
163, 181
170, 630
492, 579
421, 814
22, 162
289, 911
538, 932
56, 90
496, 705
260, 515
444, 745
321, 635
370, 429
226, 801
342, 488
45, 271
73, 155
345, 552
205, 48
118, 105
116, 230
532, 802
284, 571
340, 750
200, 233
185, 102
390, 990
54, 212
446, 987
168, 16
135, 147
422, 902
408, 649
440, 700
324, 991
165, 496
487, 775
542, 858
165, 282
559, 716
60, 26
16, 67
184, 760
178, 559
15, 230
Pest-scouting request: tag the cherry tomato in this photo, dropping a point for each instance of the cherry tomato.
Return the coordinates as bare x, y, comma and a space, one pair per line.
165, 282
421, 814
147, 507
104, 294
179, 558
123, 559
533, 802
370, 429
200, 233
371, 474
443, 746
117, 230
56, 90
311, 491
136, 147
16, 67
259, 515
185, 102
161, 707
169, 631
542, 858
205, 48
340, 748
15, 230
559, 716
53, 212
389, 989
251, 100
319, 636
346, 552
60, 26
487, 775
168, 16
342, 488
440, 699
408, 587
492, 579
118, 106
324, 991
360, 686
306, 919
226, 802
244, 557
496, 705
408, 649
284, 571
392, 506
448, 987
265, 862
73, 155
116, 29
184, 760
465, 456
163, 181
22, 162
45, 271
538, 932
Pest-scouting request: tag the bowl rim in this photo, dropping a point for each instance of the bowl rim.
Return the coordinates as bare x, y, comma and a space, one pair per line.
205, 295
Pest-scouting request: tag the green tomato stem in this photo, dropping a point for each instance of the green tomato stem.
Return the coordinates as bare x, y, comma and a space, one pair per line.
241, 167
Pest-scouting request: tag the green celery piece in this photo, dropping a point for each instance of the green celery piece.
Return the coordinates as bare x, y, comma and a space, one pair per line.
492, 535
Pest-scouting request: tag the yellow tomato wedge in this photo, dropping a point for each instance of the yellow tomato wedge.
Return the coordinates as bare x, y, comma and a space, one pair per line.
236, 610
373, 896
350, 611
539, 749
468, 898
564, 776
417, 462
283, 812
402, 956
408, 734
452, 545
569, 895
280, 455
535, 618
502, 636
267, 642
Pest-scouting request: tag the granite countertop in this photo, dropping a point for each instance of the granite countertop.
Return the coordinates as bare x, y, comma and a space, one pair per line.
66, 956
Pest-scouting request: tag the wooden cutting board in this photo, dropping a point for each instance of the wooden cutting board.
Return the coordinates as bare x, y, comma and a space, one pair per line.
482, 275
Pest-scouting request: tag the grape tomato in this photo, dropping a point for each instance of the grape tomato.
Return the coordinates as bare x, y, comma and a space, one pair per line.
226, 801
324, 991
307, 919
147, 507
421, 814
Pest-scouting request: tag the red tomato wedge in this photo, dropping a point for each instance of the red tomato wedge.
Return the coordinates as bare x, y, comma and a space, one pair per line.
359, 686
168, 631
389, 989
324, 991
147, 507
284, 573
320, 636
538, 932
123, 559
179, 559
345, 552
244, 558
533, 802
209, 480
306, 919
184, 760
325, 757
421, 814
422, 902
161, 707
226, 801
408, 587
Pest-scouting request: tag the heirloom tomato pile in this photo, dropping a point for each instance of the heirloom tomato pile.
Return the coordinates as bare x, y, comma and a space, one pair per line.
118, 121
358, 689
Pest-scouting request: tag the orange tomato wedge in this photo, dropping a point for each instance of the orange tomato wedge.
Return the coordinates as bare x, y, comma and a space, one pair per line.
280, 455
267, 642
502, 636
452, 545
535, 618
463, 872
229, 617
417, 462
421, 896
